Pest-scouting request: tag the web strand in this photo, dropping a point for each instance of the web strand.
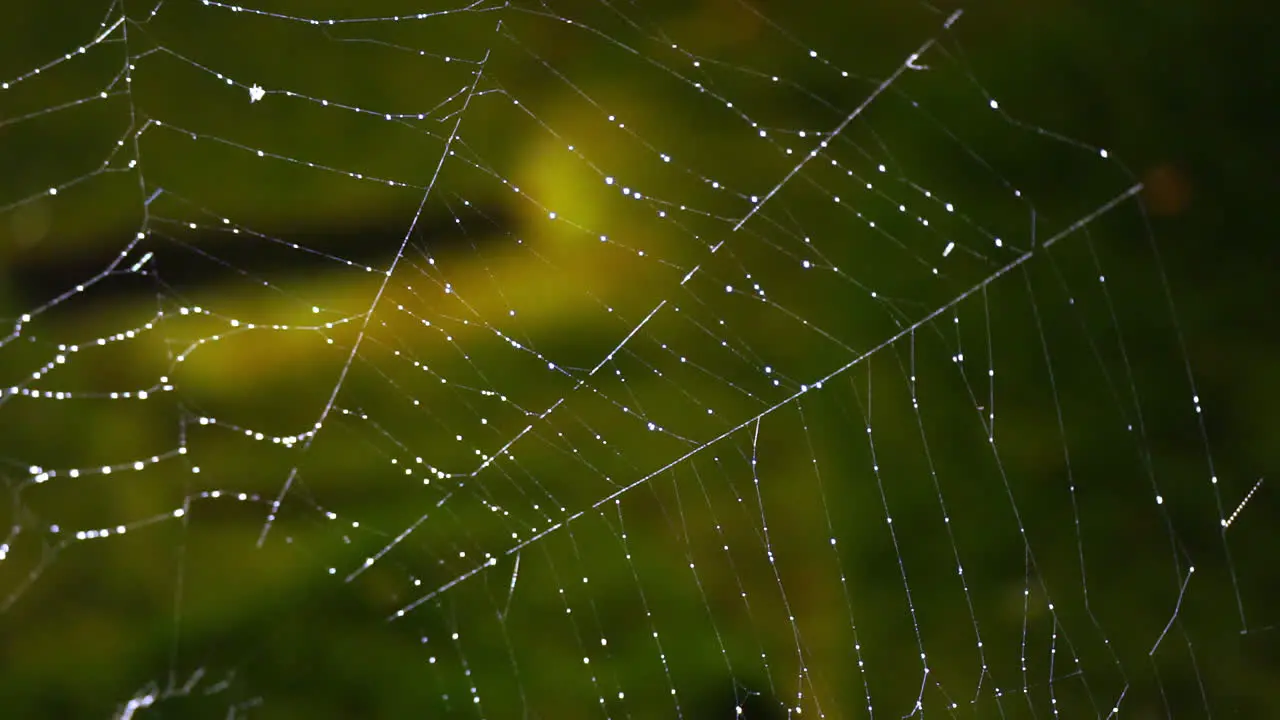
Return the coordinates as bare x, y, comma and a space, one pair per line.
589, 357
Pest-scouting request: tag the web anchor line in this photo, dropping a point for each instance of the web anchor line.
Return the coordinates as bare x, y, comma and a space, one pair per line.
910, 329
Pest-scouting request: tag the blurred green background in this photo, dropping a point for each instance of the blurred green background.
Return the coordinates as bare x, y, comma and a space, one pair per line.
714, 582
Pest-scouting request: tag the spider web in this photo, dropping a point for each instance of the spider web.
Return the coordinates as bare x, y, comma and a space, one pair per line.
579, 359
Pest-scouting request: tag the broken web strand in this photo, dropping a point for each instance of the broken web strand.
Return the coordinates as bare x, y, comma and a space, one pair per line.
1182, 576
1171, 308
637, 328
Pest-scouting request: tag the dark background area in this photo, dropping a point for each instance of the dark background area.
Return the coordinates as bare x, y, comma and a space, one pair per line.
1182, 96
